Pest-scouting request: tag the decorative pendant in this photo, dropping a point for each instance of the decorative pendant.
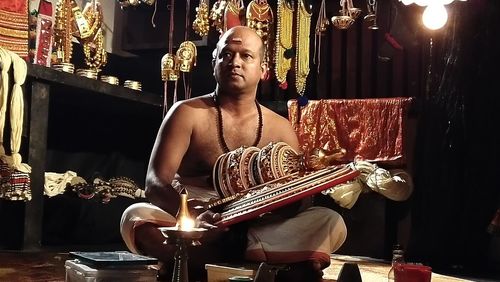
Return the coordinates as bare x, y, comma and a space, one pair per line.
284, 44
302, 46
260, 18
200, 24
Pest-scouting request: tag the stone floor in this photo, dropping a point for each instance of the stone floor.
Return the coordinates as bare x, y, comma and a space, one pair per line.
49, 267
36, 266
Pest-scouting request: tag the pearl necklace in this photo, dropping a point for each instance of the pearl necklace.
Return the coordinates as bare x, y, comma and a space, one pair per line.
220, 126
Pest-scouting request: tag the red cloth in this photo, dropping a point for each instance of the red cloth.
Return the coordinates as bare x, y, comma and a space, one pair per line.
14, 26
369, 129
18, 6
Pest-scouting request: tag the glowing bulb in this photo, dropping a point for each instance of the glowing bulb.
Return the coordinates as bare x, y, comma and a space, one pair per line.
407, 2
446, 2
435, 16
422, 2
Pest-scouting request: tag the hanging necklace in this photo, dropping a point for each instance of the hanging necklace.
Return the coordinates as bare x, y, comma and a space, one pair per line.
220, 126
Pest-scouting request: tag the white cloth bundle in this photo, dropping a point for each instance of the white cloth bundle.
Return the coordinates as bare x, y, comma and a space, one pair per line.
396, 184
19, 67
5, 63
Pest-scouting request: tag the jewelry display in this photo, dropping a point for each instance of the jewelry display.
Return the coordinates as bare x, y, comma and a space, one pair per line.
132, 84
62, 32
347, 15
186, 56
217, 14
233, 14
127, 3
95, 55
88, 73
169, 67
81, 28
283, 48
110, 79
65, 67
302, 47
259, 17
201, 24
148, 2
372, 14
93, 40
321, 25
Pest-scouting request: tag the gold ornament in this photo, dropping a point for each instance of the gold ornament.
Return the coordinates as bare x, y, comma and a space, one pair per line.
186, 55
81, 27
260, 18
200, 24
93, 40
89, 73
232, 14
348, 14
95, 54
283, 62
217, 14
169, 69
302, 46
110, 79
132, 84
372, 14
321, 25
62, 32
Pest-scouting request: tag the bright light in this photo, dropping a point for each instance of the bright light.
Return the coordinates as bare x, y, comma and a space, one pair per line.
424, 2
446, 2
435, 16
185, 224
407, 2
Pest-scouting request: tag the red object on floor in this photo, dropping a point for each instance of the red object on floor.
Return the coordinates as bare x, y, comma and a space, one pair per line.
412, 273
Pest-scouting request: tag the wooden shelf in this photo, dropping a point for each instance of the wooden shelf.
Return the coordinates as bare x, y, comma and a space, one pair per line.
49, 90
91, 86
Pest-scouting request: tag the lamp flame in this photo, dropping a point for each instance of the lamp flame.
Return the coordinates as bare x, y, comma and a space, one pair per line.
185, 224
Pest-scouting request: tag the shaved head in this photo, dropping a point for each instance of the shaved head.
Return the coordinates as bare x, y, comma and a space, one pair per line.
235, 35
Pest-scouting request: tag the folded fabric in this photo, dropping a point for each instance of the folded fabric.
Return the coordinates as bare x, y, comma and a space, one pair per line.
369, 129
14, 26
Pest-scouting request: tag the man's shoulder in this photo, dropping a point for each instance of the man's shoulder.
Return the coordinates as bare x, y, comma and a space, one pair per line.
194, 104
272, 115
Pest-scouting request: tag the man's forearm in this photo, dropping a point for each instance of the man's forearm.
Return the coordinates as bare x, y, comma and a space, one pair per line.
164, 197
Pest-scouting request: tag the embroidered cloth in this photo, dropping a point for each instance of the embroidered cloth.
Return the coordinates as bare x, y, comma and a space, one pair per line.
369, 129
14, 26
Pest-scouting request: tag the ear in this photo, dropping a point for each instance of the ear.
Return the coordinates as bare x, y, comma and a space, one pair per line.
264, 71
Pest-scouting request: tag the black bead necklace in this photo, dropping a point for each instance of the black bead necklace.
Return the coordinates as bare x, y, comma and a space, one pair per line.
220, 126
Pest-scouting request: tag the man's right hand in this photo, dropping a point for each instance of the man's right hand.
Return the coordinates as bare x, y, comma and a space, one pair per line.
207, 220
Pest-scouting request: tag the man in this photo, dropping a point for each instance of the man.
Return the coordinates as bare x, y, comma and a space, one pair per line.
197, 131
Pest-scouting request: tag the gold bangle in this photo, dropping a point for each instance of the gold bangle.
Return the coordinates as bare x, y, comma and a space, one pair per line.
110, 79
132, 84
65, 67
89, 73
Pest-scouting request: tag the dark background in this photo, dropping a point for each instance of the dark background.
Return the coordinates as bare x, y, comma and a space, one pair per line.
452, 73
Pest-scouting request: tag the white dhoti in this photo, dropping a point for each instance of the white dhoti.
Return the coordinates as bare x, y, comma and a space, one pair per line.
312, 234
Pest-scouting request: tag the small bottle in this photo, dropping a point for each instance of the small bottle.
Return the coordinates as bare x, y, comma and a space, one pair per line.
397, 258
